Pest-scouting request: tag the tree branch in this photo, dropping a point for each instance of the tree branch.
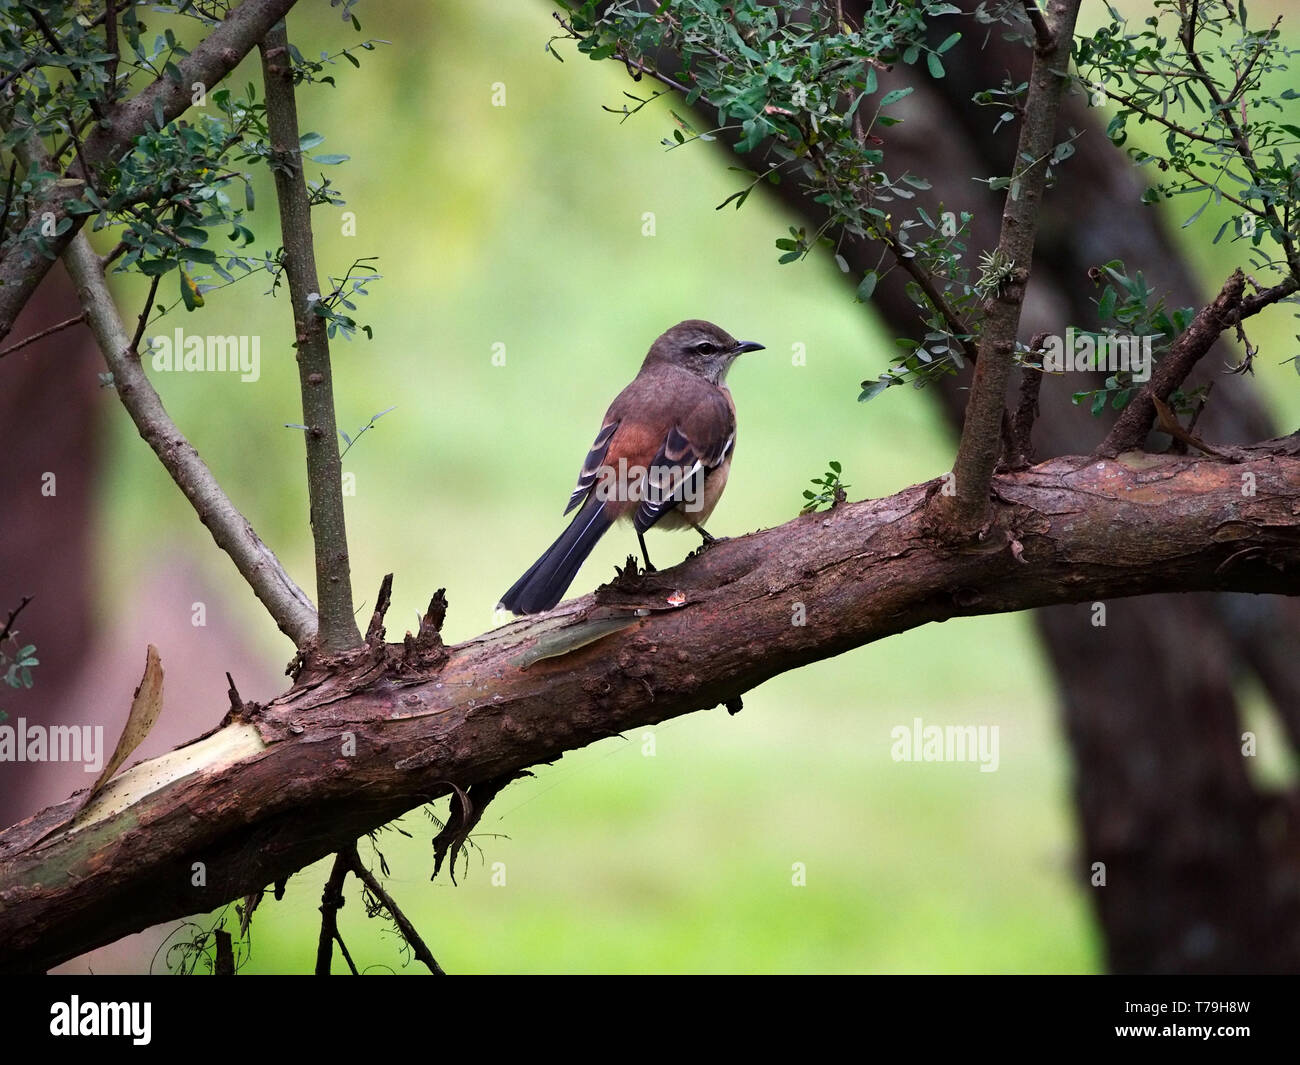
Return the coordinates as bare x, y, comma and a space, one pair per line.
58, 327
24, 263
331, 901
1067, 531
977, 454
1241, 142
1230, 306
283, 599
8, 626
1043, 36
338, 628
404, 925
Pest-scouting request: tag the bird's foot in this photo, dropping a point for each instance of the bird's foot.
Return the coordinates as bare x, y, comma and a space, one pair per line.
708, 538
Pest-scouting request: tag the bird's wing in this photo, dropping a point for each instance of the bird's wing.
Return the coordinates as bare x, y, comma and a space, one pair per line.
592, 464
698, 443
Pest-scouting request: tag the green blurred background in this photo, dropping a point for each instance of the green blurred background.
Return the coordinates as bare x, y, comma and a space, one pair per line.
523, 225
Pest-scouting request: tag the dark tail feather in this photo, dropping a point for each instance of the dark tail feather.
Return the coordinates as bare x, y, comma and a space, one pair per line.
549, 577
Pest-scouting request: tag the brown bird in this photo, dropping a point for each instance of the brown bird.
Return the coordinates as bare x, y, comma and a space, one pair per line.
661, 457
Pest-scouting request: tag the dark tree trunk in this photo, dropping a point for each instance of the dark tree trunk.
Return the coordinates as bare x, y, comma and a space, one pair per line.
47, 481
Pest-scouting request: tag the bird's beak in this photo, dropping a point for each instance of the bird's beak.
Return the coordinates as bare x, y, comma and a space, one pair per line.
746, 345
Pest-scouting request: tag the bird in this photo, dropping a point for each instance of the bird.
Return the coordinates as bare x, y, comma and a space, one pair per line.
661, 457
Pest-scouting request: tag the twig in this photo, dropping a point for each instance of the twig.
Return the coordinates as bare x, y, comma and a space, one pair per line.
47, 31
1134, 423
960, 327
1187, 36
144, 315
119, 249
25, 264
285, 601
403, 923
1240, 84
13, 616
41, 335
1042, 32
375, 631
631, 64
1136, 107
1168, 422
338, 628
331, 901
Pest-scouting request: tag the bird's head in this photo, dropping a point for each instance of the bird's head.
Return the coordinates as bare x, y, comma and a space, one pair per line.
700, 347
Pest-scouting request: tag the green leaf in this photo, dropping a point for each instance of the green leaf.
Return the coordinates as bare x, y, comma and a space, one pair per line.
1198, 212
868, 286
894, 96
309, 140
330, 160
871, 391
190, 292
1106, 305
948, 42
935, 64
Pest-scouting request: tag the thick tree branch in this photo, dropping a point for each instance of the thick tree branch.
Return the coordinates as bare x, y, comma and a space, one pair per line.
283, 599
977, 454
24, 264
340, 755
338, 628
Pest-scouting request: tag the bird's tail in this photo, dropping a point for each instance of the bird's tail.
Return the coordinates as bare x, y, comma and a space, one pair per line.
549, 577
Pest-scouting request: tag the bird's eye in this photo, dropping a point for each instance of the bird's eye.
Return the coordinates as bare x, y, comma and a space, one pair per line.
705, 348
